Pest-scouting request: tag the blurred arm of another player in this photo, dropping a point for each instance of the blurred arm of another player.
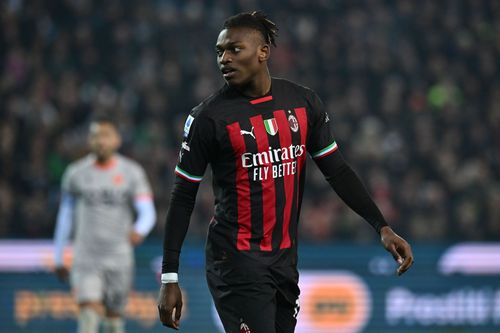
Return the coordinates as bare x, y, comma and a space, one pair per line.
62, 233
146, 219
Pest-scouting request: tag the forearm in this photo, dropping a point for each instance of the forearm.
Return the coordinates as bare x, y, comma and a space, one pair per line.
179, 213
146, 215
350, 189
63, 227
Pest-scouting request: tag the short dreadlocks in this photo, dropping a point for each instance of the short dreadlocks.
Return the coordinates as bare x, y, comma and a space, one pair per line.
255, 20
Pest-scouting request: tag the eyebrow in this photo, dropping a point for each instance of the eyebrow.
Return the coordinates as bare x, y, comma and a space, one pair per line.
222, 46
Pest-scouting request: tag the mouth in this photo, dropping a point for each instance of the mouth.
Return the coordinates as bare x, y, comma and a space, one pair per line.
228, 72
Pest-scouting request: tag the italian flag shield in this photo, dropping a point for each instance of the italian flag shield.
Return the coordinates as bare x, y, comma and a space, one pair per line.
271, 126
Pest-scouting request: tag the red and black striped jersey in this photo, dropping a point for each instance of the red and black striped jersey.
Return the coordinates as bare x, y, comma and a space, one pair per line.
257, 149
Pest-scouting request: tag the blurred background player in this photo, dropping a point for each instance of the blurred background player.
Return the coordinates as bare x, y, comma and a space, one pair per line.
101, 195
256, 132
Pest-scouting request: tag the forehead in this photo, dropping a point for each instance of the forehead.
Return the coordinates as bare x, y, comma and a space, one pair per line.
101, 126
238, 35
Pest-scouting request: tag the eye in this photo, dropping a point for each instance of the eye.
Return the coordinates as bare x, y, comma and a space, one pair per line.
236, 49
219, 52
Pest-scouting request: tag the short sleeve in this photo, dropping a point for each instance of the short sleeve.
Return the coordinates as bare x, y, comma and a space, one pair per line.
321, 141
197, 148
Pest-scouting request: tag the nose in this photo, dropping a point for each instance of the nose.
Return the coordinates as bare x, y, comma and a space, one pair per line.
225, 58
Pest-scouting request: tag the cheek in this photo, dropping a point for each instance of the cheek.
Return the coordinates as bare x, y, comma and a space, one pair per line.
115, 143
251, 66
250, 61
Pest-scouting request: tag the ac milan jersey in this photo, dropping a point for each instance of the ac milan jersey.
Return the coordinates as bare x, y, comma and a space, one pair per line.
257, 149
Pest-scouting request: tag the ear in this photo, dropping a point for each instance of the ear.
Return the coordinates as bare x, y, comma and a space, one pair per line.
264, 52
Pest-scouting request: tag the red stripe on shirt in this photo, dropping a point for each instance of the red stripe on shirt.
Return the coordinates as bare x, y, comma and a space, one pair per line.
302, 119
242, 188
261, 100
289, 179
268, 189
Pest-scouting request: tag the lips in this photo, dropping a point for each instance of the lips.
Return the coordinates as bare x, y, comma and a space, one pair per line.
228, 72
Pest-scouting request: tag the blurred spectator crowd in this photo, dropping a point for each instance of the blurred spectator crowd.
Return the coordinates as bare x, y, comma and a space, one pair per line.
412, 86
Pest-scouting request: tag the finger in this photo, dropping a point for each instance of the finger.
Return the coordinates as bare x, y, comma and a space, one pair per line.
408, 255
405, 265
178, 312
392, 249
166, 317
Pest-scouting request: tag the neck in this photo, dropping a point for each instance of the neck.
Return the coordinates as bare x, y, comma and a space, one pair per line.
259, 86
104, 161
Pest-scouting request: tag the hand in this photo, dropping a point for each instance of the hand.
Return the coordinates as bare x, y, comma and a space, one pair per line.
398, 247
170, 298
62, 274
135, 238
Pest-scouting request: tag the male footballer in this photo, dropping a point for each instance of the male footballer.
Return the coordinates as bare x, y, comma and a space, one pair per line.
107, 200
256, 132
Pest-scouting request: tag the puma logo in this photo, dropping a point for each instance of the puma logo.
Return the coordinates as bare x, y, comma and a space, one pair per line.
242, 132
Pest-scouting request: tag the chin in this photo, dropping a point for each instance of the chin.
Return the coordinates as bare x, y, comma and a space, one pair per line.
232, 82
236, 83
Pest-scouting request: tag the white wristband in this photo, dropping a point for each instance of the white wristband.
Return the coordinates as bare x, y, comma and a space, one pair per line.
169, 278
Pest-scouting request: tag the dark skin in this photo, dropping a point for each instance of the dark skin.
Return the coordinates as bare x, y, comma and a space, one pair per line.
242, 56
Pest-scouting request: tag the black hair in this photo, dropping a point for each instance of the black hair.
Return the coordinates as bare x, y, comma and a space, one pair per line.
255, 20
103, 118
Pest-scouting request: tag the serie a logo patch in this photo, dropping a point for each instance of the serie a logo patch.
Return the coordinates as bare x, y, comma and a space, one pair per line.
271, 126
187, 125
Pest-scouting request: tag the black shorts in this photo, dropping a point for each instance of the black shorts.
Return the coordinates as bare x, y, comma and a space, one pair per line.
255, 299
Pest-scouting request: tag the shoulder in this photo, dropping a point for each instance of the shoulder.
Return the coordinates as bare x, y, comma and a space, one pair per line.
79, 166
129, 164
209, 106
75, 171
287, 85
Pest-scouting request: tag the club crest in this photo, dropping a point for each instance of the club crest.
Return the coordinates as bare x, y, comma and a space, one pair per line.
294, 124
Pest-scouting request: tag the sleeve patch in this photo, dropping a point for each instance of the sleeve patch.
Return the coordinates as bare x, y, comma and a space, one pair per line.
187, 176
326, 151
187, 125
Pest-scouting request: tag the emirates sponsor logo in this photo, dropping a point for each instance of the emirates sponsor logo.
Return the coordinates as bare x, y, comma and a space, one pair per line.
267, 164
249, 160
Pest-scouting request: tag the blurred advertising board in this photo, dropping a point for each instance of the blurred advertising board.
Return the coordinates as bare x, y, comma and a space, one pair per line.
345, 288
